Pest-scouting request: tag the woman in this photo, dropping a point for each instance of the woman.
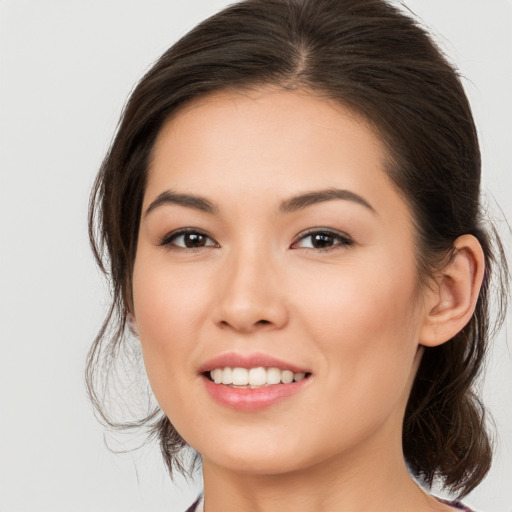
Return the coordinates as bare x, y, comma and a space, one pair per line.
290, 212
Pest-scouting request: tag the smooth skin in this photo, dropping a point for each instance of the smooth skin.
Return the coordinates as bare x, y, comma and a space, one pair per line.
331, 285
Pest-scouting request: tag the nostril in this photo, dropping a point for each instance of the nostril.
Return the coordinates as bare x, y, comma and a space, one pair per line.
246, 327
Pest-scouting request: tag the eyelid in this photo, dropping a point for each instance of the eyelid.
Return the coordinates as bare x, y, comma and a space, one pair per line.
167, 239
346, 240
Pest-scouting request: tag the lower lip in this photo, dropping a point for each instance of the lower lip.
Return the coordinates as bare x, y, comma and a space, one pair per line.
245, 399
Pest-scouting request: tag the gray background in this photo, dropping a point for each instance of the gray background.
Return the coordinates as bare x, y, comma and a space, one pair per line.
66, 68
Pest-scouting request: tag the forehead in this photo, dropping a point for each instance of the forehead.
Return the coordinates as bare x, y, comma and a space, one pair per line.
284, 131
268, 110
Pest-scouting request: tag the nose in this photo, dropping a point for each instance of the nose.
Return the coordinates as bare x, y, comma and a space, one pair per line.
251, 297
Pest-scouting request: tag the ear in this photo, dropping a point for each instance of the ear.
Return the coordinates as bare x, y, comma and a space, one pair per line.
452, 300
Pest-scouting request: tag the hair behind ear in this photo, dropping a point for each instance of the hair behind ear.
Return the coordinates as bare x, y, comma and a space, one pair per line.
445, 432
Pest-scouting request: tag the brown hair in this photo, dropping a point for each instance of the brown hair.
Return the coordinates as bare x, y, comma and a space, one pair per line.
369, 56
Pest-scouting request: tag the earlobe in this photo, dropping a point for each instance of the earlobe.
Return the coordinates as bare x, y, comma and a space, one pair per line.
452, 301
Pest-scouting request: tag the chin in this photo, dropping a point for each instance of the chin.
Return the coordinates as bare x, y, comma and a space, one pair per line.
264, 455
257, 464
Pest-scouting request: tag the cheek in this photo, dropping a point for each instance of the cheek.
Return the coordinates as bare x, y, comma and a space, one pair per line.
366, 321
169, 309
167, 298
360, 297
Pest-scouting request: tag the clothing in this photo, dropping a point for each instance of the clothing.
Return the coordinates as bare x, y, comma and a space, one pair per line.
197, 506
456, 504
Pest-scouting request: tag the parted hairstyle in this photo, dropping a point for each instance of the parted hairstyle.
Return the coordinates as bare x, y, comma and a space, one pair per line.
373, 58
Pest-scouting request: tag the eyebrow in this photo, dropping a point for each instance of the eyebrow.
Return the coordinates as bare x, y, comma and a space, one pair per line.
310, 198
293, 204
188, 200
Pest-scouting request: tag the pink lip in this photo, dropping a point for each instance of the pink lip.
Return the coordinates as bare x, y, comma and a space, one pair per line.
252, 399
244, 399
234, 360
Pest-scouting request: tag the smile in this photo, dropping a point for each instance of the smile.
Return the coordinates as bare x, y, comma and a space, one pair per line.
253, 378
251, 382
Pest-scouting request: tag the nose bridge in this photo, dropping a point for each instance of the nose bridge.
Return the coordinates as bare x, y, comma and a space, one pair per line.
250, 296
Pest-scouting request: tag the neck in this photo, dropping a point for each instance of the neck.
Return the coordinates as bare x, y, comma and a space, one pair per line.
369, 479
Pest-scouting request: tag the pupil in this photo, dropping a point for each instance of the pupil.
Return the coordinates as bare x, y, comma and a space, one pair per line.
194, 240
322, 240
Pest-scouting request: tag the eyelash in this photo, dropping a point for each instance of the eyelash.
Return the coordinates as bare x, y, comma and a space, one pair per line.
343, 240
168, 239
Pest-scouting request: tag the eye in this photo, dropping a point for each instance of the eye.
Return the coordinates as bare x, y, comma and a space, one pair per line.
188, 239
321, 239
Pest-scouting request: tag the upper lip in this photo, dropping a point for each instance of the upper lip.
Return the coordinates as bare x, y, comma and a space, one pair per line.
254, 360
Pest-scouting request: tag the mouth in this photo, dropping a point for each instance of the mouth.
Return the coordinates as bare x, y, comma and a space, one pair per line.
253, 378
251, 382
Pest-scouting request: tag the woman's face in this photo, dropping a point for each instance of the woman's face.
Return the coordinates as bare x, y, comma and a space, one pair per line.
271, 237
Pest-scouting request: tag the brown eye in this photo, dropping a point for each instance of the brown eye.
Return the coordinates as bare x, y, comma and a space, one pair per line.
322, 240
188, 240
192, 240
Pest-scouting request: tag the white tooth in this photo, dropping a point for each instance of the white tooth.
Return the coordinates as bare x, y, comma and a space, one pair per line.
273, 376
216, 375
286, 376
240, 376
298, 376
257, 376
227, 376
